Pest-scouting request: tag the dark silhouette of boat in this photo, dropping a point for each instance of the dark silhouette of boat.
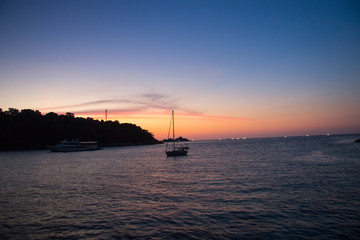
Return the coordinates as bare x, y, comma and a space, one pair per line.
74, 146
174, 150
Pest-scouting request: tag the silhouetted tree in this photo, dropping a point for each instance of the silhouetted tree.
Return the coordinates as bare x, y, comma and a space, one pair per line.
30, 129
12, 112
69, 114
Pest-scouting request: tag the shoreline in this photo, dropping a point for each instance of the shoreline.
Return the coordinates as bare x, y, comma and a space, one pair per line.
106, 145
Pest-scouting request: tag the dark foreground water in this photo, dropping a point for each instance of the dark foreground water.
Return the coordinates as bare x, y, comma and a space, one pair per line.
274, 188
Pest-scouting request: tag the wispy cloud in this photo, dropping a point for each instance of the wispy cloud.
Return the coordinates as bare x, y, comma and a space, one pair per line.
78, 105
141, 102
147, 105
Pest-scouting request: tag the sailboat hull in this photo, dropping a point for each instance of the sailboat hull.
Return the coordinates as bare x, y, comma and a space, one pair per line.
178, 152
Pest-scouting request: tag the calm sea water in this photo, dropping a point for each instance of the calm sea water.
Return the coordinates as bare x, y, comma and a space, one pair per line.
273, 188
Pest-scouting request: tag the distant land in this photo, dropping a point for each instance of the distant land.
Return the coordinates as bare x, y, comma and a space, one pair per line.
29, 129
179, 139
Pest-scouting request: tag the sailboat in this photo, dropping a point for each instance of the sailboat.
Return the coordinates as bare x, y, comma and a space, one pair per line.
179, 151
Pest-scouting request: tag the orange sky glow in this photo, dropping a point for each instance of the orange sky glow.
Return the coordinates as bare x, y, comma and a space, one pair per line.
200, 126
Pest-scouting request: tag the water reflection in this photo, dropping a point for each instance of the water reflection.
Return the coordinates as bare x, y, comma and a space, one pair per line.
258, 188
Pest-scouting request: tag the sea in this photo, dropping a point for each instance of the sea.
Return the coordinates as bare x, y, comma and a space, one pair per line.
260, 188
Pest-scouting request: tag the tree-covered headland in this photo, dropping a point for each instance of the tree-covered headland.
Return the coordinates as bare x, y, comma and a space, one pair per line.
29, 129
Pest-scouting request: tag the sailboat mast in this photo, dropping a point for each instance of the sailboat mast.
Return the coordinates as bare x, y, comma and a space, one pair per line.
173, 128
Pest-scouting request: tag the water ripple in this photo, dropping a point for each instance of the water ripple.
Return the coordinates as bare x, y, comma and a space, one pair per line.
293, 188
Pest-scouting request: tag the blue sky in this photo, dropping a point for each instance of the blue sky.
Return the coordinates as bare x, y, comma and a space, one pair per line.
267, 61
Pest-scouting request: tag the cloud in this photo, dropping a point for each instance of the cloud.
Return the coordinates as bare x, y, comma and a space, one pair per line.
85, 104
142, 102
154, 96
147, 105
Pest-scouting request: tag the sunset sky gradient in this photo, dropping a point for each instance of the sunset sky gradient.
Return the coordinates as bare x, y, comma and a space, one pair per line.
228, 68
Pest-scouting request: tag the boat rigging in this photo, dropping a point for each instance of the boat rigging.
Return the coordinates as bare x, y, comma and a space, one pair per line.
174, 151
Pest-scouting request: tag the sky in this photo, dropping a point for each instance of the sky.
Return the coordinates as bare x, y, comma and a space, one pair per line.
229, 69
